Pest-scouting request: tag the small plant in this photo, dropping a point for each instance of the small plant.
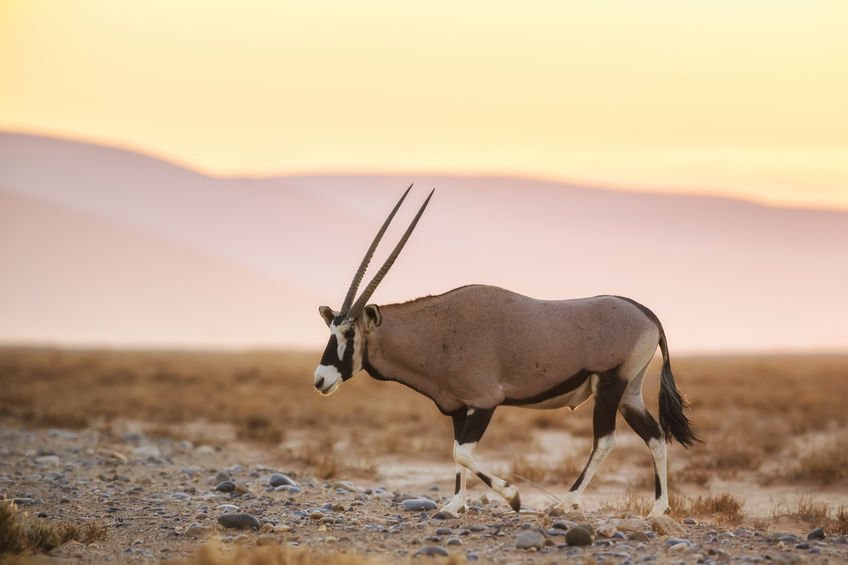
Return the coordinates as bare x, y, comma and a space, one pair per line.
19, 532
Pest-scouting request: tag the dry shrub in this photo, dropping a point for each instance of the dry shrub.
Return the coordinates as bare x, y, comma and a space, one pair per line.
724, 508
631, 503
19, 532
815, 512
824, 466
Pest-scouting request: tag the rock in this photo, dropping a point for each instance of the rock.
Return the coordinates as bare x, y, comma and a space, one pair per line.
278, 480
665, 526
418, 504
431, 551
628, 525
841, 539
817, 533
239, 521
560, 525
240, 490
52, 460
229, 508
196, 531
529, 539
443, 531
222, 476
689, 521
606, 530
24, 501
180, 496
639, 536
148, 450
578, 535
225, 486
454, 541
345, 485
291, 489
575, 516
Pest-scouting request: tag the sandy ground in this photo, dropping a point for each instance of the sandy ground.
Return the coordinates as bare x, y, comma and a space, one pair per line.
158, 499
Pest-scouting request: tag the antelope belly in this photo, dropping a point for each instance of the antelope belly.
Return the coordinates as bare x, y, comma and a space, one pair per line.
572, 398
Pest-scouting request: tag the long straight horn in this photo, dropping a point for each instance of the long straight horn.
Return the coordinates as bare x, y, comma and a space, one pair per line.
357, 278
372, 286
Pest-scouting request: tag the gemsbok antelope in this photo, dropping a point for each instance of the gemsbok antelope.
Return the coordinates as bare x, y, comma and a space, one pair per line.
478, 347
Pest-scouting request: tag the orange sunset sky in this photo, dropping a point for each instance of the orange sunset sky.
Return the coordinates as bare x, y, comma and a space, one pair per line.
737, 97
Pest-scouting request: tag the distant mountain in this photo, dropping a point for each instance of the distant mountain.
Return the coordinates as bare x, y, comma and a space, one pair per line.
101, 244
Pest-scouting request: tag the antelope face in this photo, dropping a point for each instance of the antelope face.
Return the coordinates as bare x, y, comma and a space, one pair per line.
344, 352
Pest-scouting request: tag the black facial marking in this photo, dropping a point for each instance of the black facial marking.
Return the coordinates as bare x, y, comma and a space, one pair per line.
569, 384
485, 479
331, 355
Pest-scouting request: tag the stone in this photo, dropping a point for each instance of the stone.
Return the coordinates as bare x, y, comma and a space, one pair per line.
196, 531
560, 525
606, 530
418, 504
628, 525
431, 551
639, 536
529, 539
454, 541
222, 476
817, 533
278, 480
665, 526
578, 535
225, 486
239, 521
443, 531
148, 450
291, 489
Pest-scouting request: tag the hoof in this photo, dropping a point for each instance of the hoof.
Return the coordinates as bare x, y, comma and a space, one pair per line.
515, 502
659, 511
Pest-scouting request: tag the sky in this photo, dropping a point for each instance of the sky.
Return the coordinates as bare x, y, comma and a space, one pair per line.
733, 97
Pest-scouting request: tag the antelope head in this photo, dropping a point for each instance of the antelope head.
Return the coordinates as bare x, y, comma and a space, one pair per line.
349, 326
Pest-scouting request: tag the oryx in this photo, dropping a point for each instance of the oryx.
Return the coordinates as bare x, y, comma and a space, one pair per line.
478, 347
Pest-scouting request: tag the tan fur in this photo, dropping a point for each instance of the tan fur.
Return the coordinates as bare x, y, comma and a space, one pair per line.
479, 345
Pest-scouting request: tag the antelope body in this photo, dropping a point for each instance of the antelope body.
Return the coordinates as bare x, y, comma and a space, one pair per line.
478, 347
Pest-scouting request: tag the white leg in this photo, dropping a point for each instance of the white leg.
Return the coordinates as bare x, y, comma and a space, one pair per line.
463, 454
457, 504
572, 500
657, 447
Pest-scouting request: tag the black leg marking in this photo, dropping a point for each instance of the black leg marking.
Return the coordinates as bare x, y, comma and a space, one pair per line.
485, 479
456, 487
608, 394
458, 419
474, 425
642, 423
647, 428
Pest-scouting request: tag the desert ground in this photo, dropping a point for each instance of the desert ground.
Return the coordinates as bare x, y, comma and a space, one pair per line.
133, 456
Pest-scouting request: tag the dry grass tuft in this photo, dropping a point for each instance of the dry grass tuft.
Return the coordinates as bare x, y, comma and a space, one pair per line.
563, 471
724, 508
19, 532
816, 513
631, 503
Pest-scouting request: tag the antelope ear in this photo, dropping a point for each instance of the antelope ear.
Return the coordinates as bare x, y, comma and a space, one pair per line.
327, 314
372, 315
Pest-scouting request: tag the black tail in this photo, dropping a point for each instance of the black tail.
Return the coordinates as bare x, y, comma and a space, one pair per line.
673, 421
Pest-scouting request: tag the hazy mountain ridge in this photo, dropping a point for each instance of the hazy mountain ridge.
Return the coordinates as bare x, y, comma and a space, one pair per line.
720, 273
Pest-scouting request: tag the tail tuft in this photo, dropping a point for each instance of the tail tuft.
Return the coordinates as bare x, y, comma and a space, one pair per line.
674, 423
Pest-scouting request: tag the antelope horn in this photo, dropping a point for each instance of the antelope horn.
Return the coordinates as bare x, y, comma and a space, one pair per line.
357, 278
356, 310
